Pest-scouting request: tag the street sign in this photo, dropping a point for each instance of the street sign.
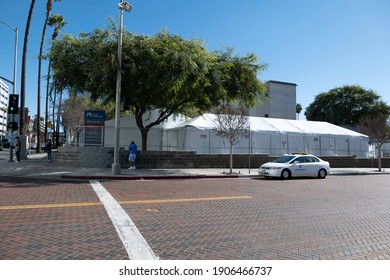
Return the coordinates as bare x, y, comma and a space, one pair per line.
94, 127
94, 118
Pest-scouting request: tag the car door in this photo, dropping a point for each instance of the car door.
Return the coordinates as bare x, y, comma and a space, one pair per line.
298, 167
311, 166
304, 167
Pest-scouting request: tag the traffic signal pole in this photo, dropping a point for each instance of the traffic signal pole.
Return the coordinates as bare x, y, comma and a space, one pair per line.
12, 109
14, 80
11, 147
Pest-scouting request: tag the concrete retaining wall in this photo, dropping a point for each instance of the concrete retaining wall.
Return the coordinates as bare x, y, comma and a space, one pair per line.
104, 156
86, 156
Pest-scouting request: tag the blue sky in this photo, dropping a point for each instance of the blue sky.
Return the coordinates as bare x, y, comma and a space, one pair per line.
317, 44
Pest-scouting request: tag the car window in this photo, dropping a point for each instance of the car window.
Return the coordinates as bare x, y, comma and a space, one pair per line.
311, 159
284, 159
301, 159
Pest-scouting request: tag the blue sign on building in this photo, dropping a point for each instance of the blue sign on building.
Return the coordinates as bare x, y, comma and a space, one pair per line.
94, 127
94, 118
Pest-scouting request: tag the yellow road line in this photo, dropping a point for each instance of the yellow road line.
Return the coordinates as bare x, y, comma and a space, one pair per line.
183, 199
40, 206
82, 204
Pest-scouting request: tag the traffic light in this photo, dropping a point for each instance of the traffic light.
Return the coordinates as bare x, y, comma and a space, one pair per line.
13, 126
13, 104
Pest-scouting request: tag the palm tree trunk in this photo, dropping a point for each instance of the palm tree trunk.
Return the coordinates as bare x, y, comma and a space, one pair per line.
58, 22
47, 99
53, 116
24, 59
58, 120
48, 10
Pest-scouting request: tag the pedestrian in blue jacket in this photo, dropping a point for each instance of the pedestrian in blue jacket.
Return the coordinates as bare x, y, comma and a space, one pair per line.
132, 154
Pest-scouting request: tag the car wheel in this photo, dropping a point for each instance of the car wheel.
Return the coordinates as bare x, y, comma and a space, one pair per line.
286, 174
322, 174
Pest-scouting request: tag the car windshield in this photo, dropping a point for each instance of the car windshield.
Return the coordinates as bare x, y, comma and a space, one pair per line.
284, 159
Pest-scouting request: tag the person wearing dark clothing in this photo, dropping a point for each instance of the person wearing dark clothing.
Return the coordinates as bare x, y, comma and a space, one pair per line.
49, 147
18, 145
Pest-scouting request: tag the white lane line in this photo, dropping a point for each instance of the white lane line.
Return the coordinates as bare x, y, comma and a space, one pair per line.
136, 246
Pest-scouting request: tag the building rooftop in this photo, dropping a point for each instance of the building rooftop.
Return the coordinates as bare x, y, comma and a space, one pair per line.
279, 82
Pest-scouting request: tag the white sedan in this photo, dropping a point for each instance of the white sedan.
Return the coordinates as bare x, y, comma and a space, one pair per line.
289, 166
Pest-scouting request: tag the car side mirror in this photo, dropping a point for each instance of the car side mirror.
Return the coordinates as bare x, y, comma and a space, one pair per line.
296, 162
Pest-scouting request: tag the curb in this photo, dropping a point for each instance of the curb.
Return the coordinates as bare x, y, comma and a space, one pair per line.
191, 177
156, 177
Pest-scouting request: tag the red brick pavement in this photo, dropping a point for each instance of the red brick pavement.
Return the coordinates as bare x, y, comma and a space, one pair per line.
341, 217
336, 218
81, 233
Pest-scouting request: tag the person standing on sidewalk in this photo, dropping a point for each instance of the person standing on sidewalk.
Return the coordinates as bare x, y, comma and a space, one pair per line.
49, 147
132, 154
18, 144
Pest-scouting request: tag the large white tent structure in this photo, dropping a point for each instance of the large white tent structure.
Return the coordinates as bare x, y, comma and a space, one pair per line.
267, 136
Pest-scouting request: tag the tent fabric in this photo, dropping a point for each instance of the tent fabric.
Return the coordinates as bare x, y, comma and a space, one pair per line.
207, 121
268, 136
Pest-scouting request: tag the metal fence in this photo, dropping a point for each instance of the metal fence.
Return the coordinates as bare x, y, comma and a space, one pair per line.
80, 136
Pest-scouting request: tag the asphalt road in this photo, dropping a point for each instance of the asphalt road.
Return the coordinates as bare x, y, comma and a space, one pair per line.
340, 217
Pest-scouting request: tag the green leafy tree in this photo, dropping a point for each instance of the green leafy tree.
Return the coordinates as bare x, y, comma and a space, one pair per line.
346, 105
164, 72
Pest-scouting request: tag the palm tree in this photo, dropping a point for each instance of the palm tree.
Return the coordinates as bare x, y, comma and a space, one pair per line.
23, 79
58, 120
56, 21
49, 6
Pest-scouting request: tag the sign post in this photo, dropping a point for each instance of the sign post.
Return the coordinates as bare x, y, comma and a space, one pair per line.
94, 126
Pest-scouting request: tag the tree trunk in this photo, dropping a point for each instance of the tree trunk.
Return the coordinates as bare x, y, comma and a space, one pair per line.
24, 58
53, 116
47, 100
144, 131
231, 158
48, 10
58, 120
144, 134
379, 157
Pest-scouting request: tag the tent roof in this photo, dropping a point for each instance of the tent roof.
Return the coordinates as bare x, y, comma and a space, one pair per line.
272, 125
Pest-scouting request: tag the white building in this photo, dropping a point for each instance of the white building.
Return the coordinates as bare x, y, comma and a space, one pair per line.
281, 104
4, 94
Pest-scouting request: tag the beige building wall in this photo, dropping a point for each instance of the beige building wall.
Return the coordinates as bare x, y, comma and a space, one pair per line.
281, 104
3, 108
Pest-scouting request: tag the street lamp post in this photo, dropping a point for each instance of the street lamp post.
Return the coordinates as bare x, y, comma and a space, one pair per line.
116, 166
14, 80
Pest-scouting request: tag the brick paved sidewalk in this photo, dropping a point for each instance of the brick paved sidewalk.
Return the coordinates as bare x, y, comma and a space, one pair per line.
336, 218
39, 232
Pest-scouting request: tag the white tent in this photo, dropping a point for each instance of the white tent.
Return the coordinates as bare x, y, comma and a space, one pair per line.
267, 136
130, 132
